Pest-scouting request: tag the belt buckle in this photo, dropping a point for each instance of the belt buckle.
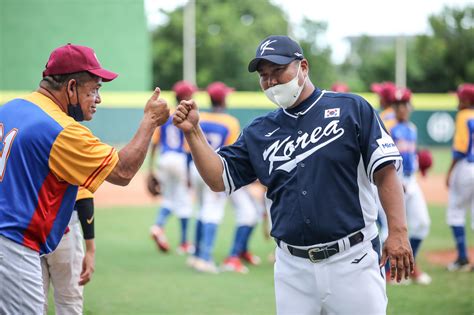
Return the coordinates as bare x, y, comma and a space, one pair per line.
313, 251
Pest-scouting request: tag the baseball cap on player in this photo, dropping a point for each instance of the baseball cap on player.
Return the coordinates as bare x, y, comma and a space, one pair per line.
385, 90
401, 95
340, 87
184, 89
218, 91
278, 49
74, 58
466, 92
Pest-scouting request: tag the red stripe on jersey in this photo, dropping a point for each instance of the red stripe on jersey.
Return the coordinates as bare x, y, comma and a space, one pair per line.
97, 171
50, 197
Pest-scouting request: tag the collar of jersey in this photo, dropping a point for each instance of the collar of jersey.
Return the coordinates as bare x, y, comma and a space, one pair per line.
306, 105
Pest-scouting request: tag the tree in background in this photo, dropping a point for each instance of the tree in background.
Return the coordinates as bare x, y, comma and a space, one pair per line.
435, 63
445, 59
227, 33
322, 70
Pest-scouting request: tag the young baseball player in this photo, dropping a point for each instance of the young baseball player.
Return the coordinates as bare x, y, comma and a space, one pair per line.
68, 268
385, 91
318, 155
460, 179
173, 176
404, 134
45, 155
245, 207
219, 129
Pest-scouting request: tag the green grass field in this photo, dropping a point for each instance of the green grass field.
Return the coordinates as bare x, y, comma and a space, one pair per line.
132, 277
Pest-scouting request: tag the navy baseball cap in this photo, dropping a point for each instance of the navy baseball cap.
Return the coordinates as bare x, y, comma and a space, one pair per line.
278, 49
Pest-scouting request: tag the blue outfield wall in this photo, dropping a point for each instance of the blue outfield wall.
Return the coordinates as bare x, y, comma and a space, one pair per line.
118, 125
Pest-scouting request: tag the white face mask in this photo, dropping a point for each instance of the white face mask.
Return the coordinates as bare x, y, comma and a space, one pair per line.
285, 95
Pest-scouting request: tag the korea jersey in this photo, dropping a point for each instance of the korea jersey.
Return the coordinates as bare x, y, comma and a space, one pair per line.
405, 136
44, 156
219, 128
169, 137
317, 161
463, 142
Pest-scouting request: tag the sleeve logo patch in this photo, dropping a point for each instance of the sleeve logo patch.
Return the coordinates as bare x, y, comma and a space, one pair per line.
387, 145
332, 112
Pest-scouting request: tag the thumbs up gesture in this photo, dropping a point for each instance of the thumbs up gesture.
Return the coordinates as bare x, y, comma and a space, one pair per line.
157, 109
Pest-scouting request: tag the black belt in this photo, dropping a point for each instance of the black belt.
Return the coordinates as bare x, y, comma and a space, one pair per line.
318, 253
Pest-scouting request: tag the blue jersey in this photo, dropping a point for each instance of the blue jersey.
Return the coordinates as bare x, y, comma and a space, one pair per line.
404, 135
171, 138
44, 156
219, 128
317, 161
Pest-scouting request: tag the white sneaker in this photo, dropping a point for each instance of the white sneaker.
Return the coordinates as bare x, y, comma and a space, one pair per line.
191, 261
205, 266
459, 265
423, 279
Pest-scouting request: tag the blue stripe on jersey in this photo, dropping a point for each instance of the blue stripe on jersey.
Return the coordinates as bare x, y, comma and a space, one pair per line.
405, 136
470, 147
26, 170
317, 161
171, 138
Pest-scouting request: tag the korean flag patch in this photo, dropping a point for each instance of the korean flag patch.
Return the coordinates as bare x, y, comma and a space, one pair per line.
332, 112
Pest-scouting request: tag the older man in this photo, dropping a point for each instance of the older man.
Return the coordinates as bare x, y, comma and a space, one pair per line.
45, 154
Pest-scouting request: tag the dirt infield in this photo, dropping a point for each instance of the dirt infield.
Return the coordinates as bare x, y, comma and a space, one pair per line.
445, 256
135, 193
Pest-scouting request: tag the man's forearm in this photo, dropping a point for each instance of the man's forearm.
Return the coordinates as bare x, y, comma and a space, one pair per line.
90, 245
206, 160
131, 157
391, 197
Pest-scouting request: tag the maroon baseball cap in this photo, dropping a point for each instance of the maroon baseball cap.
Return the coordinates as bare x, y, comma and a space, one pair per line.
74, 58
184, 89
402, 95
385, 90
218, 91
466, 92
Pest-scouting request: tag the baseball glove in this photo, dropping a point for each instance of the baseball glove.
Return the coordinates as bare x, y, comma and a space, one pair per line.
425, 161
153, 185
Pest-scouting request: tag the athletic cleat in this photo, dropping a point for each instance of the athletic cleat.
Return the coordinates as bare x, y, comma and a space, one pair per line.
250, 258
234, 264
185, 249
191, 261
420, 277
460, 265
205, 266
423, 278
158, 235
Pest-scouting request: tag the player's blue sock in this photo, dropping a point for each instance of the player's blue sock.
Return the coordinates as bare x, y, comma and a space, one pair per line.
163, 217
248, 232
239, 240
197, 242
460, 238
184, 230
209, 231
415, 245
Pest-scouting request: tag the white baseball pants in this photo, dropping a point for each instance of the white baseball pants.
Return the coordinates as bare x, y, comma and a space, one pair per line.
461, 194
347, 283
63, 268
172, 174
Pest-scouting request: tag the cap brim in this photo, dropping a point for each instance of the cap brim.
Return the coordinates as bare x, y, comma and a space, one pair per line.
281, 60
106, 75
